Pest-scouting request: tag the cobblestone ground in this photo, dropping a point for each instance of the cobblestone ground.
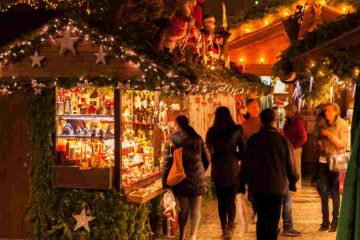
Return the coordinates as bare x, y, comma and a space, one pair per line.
306, 215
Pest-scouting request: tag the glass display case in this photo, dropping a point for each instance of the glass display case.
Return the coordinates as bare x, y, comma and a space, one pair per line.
108, 138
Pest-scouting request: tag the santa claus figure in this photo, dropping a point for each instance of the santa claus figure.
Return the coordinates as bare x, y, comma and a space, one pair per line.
178, 32
208, 49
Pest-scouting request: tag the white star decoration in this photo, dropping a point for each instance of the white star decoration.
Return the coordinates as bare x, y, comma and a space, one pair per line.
38, 87
100, 56
36, 60
67, 42
82, 220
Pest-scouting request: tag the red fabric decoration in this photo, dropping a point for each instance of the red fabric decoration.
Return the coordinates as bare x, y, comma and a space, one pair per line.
198, 13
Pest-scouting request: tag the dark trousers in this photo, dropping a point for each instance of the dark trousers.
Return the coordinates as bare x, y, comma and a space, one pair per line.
268, 209
287, 211
226, 197
328, 183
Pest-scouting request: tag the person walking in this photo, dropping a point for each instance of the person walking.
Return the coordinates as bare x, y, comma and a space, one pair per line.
252, 123
269, 170
332, 138
226, 145
295, 132
195, 160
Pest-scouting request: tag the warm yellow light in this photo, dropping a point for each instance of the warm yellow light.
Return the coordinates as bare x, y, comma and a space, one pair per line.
248, 30
242, 60
344, 9
323, 2
266, 22
262, 60
356, 72
286, 13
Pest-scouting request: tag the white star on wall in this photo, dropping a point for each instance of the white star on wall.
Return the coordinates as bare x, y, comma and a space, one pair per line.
36, 60
100, 56
67, 42
82, 220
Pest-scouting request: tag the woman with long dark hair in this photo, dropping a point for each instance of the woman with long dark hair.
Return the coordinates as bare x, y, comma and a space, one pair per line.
225, 141
195, 160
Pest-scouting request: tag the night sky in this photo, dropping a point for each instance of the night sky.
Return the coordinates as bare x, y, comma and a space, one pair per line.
214, 7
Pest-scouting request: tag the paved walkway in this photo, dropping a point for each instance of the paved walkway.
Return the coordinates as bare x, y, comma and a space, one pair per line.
306, 214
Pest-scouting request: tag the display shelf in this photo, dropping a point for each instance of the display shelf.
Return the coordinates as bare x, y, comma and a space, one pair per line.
144, 195
137, 185
83, 137
126, 170
109, 118
74, 177
138, 123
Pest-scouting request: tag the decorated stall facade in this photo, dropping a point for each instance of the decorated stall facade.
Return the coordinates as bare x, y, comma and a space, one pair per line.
98, 117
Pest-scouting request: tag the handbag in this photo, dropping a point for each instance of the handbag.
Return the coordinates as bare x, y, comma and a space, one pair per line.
338, 162
177, 172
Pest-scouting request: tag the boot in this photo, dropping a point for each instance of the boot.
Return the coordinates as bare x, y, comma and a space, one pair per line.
230, 231
333, 226
325, 225
224, 228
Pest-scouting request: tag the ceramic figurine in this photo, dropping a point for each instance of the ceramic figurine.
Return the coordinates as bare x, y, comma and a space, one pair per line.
93, 132
86, 132
68, 129
79, 131
101, 133
108, 130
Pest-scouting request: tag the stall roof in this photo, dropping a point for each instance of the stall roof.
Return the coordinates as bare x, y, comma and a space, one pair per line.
258, 44
121, 62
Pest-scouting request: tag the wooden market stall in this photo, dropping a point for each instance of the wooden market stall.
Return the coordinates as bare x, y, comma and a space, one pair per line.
97, 116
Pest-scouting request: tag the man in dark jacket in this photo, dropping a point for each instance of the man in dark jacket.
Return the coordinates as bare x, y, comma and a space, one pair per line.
269, 170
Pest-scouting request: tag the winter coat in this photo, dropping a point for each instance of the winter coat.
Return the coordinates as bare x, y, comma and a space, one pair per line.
195, 163
268, 165
340, 130
295, 131
251, 126
226, 147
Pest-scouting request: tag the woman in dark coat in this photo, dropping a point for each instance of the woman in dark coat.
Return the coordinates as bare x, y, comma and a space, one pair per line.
225, 141
196, 159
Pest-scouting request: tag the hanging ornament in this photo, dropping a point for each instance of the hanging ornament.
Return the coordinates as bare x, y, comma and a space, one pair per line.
297, 91
36, 60
83, 87
67, 42
311, 83
354, 90
38, 87
331, 93
82, 220
100, 56
4, 90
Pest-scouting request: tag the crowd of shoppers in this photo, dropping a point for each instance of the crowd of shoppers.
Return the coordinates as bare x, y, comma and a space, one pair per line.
256, 158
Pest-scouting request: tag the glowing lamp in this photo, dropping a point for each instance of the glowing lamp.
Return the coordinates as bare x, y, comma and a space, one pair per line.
262, 60
248, 30
242, 60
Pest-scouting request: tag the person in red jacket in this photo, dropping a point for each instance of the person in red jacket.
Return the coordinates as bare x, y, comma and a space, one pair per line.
295, 131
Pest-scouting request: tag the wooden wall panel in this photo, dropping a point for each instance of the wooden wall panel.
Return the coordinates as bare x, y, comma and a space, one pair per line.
14, 185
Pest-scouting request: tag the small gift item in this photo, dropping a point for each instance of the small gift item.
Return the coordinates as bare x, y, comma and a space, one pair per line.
68, 129
86, 131
108, 130
101, 133
93, 132
79, 131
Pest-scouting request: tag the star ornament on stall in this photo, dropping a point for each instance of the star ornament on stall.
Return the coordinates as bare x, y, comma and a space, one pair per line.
38, 87
5, 90
67, 42
36, 60
82, 220
100, 56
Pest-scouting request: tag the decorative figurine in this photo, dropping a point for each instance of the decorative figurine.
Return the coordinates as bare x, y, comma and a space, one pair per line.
93, 132
79, 131
86, 131
68, 129
101, 133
